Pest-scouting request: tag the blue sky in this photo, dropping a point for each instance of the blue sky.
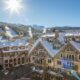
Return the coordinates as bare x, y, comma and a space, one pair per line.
45, 12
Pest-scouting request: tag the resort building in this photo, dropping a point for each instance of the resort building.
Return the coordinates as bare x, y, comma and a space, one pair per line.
13, 54
57, 54
68, 57
42, 53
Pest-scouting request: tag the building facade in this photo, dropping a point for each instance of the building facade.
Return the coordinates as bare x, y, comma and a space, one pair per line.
68, 57
13, 56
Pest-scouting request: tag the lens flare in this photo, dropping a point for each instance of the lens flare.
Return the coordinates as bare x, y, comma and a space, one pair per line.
14, 6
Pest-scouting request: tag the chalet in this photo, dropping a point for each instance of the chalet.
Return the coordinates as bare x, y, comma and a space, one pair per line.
13, 54
68, 57
42, 52
57, 54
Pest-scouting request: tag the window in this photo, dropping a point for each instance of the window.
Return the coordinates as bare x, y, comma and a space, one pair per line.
61, 55
35, 52
33, 58
14, 48
6, 61
6, 48
10, 65
28, 60
59, 62
18, 60
72, 57
23, 60
49, 60
69, 56
79, 56
41, 61
41, 52
22, 47
14, 61
6, 65
69, 48
10, 60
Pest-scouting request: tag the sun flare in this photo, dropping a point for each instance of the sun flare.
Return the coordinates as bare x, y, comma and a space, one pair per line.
13, 6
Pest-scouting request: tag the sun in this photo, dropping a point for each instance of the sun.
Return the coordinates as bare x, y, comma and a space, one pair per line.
13, 6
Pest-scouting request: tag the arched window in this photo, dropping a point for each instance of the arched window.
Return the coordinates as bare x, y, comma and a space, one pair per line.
69, 56
72, 57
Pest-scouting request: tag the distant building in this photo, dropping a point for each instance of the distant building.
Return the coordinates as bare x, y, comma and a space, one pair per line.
72, 36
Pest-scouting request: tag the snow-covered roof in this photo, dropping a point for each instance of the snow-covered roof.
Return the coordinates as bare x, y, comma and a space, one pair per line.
11, 50
13, 43
76, 44
54, 74
11, 33
72, 34
48, 46
48, 35
39, 71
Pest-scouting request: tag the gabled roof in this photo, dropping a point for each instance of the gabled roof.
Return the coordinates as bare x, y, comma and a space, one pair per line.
76, 45
73, 34
14, 43
47, 45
